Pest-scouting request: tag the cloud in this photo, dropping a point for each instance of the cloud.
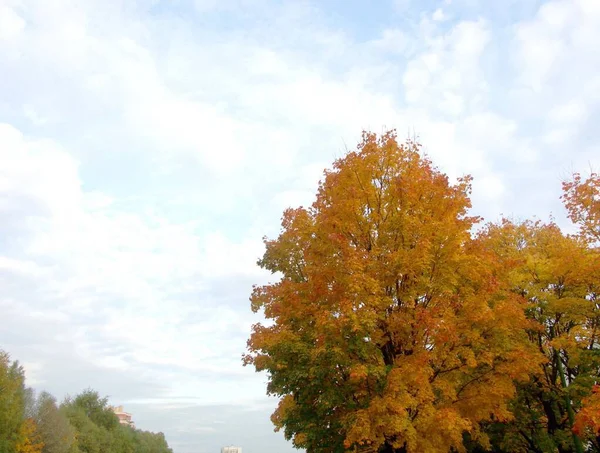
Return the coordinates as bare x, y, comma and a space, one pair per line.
146, 147
439, 15
122, 286
447, 71
11, 24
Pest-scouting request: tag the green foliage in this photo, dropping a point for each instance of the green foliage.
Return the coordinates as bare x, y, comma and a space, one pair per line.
12, 402
57, 432
95, 408
147, 442
98, 429
83, 424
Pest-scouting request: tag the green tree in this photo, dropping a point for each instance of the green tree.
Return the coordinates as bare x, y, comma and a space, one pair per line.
125, 440
93, 420
96, 408
98, 429
12, 403
57, 433
148, 442
83, 424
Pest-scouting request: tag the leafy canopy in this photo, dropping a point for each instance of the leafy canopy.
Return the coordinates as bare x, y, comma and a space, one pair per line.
391, 328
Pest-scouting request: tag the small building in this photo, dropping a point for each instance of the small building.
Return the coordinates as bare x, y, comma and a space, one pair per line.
124, 417
231, 449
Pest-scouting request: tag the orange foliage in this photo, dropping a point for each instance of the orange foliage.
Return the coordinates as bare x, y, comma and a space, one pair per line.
30, 439
582, 200
588, 417
391, 326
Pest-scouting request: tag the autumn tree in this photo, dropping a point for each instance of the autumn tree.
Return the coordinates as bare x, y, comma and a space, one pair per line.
390, 328
553, 272
559, 275
582, 200
587, 421
30, 440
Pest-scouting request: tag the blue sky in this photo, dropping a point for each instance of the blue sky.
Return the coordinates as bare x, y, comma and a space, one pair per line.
147, 146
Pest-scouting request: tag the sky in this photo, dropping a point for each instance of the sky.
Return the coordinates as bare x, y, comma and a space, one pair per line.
147, 146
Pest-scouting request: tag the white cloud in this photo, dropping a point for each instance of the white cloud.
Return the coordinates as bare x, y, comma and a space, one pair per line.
11, 24
558, 42
145, 152
572, 112
555, 59
392, 40
446, 76
439, 15
94, 254
12, 266
402, 5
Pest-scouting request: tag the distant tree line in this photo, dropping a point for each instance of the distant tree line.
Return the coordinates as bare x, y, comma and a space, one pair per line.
31, 423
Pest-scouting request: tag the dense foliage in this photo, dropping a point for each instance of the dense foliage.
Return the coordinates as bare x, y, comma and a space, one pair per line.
84, 424
398, 326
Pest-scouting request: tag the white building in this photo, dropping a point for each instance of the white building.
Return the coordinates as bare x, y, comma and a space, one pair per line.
231, 449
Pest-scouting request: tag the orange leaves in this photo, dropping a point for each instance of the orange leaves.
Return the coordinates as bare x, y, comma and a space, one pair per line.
358, 373
588, 418
392, 327
582, 200
30, 440
389, 320
554, 274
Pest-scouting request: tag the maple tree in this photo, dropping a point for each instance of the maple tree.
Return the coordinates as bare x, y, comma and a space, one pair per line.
587, 421
391, 328
559, 276
554, 273
582, 200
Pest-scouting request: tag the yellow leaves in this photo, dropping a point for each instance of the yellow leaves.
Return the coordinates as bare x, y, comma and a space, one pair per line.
286, 404
408, 385
445, 428
383, 419
391, 325
30, 440
299, 440
360, 431
358, 373
555, 273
